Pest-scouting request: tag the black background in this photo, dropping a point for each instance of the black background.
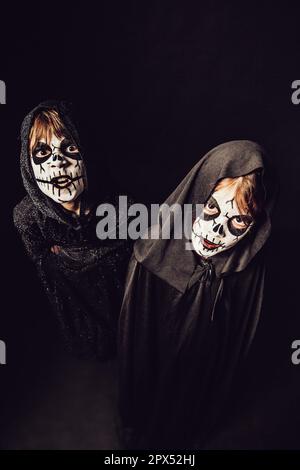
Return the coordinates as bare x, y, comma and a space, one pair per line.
154, 86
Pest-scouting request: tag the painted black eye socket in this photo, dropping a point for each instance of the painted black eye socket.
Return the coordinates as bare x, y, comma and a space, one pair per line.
239, 224
41, 153
211, 209
70, 149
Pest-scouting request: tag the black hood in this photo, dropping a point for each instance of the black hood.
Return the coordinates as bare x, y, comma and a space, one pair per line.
169, 259
43, 203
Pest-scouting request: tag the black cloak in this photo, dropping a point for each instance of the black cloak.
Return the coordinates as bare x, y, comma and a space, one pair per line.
85, 281
186, 322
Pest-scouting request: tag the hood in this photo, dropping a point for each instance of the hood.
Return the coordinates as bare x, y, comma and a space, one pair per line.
168, 259
43, 203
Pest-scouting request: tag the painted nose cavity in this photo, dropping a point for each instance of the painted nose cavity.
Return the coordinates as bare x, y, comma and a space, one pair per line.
58, 160
58, 157
219, 229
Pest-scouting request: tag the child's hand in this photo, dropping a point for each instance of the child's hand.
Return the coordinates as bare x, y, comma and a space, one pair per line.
55, 249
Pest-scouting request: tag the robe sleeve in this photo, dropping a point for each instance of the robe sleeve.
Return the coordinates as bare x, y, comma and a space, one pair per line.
36, 248
129, 367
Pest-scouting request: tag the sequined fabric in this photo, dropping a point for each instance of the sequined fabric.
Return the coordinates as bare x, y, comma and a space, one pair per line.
84, 281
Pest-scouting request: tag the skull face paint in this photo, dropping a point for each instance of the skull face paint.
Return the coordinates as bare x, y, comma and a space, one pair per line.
222, 225
58, 169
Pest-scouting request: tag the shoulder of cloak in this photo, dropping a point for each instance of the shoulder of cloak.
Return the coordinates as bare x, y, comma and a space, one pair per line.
24, 215
139, 274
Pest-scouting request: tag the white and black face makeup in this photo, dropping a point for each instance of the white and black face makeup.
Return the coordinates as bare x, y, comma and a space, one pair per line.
58, 169
221, 225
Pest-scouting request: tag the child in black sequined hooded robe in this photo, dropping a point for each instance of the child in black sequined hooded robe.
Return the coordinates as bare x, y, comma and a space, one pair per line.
83, 276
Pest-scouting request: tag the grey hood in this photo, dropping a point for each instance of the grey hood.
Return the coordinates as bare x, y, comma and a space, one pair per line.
168, 259
43, 203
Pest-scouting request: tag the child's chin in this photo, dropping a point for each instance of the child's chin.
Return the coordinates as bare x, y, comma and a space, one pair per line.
67, 197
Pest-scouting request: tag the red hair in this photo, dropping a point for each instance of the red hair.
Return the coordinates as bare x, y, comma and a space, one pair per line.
46, 124
248, 195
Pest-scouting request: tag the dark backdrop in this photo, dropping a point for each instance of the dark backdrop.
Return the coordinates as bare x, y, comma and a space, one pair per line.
154, 86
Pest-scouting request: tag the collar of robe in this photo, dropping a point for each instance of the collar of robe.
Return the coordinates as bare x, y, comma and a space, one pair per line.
204, 272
